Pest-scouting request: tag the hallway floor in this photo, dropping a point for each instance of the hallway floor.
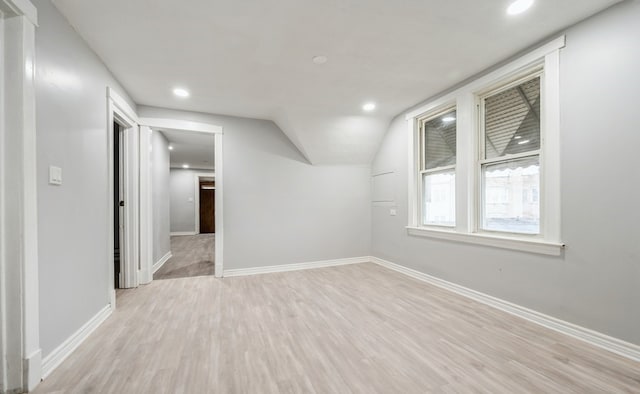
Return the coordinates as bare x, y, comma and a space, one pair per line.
193, 255
350, 329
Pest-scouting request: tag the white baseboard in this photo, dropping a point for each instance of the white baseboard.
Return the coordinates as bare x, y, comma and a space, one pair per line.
33, 369
295, 267
59, 354
112, 299
592, 337
161, 262
179, 233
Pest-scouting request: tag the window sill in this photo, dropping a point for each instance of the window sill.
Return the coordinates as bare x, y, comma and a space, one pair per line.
523, 245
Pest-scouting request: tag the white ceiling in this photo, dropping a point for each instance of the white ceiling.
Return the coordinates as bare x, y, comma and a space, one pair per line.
253, 57
195, 149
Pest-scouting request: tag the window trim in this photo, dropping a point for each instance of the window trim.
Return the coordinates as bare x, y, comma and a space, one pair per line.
467, 157
523, 244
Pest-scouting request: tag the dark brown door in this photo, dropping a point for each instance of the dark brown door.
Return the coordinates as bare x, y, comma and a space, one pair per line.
207, 207
117, 197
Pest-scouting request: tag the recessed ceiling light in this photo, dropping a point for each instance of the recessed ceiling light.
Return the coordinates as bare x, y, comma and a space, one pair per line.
517, 137
170, 147
369, 107
523, 142
185, 166
320, 59
181, 92
448, 119
519, 6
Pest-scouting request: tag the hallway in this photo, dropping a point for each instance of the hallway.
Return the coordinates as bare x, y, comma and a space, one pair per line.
193, 255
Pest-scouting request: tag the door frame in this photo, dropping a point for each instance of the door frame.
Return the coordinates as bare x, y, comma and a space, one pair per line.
196, 195
146, 211
20, 353
118, 110
185, 125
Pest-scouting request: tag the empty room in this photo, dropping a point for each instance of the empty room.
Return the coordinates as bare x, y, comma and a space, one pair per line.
338, 196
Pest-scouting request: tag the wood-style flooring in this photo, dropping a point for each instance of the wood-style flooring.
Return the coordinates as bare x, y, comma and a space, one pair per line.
349, 329
192, 256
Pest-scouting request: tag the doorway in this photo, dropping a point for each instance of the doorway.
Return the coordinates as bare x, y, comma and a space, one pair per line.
184, 192
118, 204
123, 195
207, 214
184, 207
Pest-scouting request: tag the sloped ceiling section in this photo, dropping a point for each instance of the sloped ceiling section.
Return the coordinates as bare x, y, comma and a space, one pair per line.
253, 58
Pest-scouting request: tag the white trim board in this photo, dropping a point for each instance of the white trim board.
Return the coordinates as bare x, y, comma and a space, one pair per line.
59, 354
533, 245
158, 264
185, 125
19, 289
295, 267
33, 369
21, 7
219, 211
145, 223
592, 337
181, 233
122, 105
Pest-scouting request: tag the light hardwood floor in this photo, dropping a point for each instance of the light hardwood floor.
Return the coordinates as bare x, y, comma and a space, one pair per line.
349, 329
192, 256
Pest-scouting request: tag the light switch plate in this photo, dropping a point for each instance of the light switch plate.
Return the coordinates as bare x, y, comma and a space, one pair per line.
55, 175
392, 212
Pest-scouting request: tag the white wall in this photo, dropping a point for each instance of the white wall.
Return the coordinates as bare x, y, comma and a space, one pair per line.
278, 209
160, 195
182, 191
73, 228
596, 284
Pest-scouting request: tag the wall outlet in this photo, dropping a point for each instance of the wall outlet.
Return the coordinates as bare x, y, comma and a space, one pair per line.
55, 175
392, 212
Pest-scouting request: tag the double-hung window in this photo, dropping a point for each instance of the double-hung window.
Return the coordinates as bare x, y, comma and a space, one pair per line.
438, 168
510, 157
484, 162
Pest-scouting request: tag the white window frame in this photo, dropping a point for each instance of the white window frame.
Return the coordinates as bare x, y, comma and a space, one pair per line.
537, 70
468, 152
422, 155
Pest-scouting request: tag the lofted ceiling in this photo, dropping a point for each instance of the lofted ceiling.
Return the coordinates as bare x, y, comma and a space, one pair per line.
253, 58
191, 148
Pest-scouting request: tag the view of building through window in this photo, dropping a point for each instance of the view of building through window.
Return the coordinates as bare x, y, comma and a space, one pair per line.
511, 197
440, 198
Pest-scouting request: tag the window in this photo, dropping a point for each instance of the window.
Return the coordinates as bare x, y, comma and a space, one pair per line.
510, 160
485, 158
438, 168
